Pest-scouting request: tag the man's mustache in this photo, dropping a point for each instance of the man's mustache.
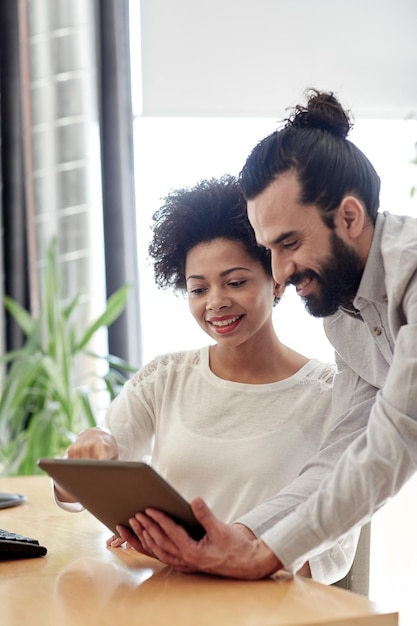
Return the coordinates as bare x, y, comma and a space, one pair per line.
298, 277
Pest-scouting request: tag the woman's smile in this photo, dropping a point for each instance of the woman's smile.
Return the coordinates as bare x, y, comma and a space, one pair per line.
225, 324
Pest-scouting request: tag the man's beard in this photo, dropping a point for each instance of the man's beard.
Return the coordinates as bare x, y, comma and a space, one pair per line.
338, 281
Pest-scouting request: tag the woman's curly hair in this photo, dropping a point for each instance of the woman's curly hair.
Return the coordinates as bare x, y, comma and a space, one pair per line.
212, 209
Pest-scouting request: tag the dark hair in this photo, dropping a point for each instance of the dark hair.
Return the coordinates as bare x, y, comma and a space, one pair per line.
313, 143
212, 209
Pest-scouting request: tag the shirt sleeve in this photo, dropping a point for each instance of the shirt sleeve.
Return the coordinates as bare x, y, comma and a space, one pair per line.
334, 563
371, 470
71, 507
131, 420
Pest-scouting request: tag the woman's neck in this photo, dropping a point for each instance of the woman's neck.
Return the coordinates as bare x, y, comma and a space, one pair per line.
261, 363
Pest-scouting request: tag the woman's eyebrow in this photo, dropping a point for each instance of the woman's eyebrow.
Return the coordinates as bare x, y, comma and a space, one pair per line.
234, 269
224, 273
197, 276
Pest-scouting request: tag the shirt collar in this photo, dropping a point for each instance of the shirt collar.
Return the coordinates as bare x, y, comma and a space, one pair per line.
372, 285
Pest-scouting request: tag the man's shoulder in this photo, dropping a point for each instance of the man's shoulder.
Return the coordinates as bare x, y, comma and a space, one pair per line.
399, 251
397, 231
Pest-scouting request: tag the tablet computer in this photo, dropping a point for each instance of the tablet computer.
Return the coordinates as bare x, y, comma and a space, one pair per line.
113, 491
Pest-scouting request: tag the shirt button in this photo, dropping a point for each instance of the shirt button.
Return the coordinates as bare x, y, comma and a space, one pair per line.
385, 299
377, 331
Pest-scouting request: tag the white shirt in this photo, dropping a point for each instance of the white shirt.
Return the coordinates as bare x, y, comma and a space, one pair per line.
231, 443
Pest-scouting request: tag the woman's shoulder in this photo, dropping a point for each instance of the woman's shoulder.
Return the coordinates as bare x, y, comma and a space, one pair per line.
319, 372
163, 364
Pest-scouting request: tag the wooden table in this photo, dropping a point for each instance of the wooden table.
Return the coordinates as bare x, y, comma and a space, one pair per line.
82, 582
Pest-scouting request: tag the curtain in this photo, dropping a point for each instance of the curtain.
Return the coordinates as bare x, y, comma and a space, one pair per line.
117, 166
13, 241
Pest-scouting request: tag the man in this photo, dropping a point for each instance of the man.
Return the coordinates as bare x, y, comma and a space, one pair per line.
313, 200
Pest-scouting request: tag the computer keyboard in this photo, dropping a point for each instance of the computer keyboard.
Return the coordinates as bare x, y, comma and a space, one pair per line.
15, 546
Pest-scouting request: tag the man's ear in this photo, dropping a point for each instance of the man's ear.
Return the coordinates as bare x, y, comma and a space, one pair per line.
351, 217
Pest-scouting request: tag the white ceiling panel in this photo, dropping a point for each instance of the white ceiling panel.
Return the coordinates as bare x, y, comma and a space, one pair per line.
245, 58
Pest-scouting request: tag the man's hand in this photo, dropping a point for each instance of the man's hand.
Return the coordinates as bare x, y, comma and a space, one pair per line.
224, 550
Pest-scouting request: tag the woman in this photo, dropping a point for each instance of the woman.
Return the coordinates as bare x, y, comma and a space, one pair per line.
234, 421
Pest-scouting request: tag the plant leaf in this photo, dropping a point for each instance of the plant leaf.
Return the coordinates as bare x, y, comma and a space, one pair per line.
20, 315
115, 306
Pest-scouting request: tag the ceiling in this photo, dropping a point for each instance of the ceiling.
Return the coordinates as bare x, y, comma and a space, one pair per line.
244, 58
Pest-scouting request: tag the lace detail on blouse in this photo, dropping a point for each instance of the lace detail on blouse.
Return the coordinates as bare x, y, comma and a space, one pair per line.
323, 380
176, 361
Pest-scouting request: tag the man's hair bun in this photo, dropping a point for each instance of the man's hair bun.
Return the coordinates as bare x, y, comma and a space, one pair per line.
323, 111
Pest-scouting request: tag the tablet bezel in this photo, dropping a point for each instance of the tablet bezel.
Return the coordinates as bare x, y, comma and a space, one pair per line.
113, 491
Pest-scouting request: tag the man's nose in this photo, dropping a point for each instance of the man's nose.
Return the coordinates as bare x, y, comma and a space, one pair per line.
282, 269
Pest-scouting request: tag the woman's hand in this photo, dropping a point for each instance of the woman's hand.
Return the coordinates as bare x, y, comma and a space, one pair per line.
94, 443
115, 541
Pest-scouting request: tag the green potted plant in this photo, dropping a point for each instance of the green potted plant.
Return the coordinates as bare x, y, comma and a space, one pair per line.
41, 408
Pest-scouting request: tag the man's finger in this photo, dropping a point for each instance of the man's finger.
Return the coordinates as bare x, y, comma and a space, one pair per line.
203, 514
154, 521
